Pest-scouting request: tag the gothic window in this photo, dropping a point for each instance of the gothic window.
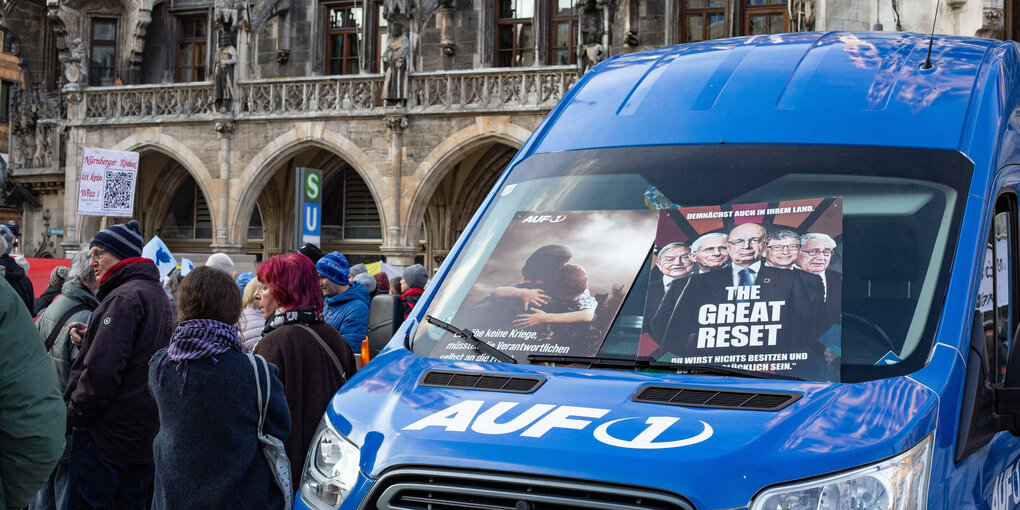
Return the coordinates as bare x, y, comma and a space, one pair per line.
515, 36
350, 212
188, 217
343, 45
765, 17
191, 48
702, 20
563, 32
381, 36
103, 52
8, 45
5, 101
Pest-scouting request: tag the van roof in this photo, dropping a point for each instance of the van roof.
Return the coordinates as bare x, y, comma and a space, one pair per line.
857, 88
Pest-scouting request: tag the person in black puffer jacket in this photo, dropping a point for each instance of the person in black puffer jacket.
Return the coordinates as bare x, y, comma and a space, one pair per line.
14, 274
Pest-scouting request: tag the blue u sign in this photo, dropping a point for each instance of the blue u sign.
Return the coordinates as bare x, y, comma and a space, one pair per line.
312, 223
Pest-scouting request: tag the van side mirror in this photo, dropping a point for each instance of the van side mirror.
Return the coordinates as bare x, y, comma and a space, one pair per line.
384, 317
1007, 394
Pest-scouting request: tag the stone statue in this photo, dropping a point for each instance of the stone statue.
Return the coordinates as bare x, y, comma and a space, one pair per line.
76, 64
226, 57
41, 156
591, 50
398, 52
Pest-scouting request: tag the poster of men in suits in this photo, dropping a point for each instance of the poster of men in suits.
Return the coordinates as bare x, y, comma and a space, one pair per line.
750, 286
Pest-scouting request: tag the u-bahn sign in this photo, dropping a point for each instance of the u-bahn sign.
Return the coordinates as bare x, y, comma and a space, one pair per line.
308, 207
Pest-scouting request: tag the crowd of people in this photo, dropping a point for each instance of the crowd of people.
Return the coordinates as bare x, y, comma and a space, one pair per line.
128, 409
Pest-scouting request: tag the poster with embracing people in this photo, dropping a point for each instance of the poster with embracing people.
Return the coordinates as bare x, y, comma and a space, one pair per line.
554, 283
749, 286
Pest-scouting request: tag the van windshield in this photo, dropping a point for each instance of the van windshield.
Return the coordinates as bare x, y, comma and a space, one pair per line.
892, 222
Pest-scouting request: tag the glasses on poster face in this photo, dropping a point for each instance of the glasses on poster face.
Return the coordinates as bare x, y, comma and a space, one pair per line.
792, 248
671, 259
740, 243
814, 253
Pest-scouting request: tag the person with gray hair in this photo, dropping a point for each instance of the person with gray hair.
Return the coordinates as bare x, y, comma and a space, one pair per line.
674, 264
57, 278
13, 272
781, 248
368, 281
221, 261
710, 252
75, 303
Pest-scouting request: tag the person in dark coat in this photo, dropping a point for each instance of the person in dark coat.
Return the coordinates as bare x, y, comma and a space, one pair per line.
57, 278
14, 273
415, 278
202, 462
346, 302
313, 359
74, 304
108, 401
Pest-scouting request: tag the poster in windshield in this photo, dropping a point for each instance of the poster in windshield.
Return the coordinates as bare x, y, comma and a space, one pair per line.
554, 284
749, 286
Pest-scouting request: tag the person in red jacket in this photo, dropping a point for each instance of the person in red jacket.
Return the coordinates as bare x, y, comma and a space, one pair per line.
415, 278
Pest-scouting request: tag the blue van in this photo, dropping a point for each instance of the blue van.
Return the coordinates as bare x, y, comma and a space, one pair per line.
924, 409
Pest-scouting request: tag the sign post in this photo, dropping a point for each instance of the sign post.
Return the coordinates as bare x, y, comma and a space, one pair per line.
308, 207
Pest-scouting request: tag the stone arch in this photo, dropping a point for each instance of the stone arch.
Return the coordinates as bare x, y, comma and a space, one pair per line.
303, 135
449, 152
157, 141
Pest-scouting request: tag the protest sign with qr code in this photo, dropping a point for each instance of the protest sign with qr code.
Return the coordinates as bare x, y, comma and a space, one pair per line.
107, 183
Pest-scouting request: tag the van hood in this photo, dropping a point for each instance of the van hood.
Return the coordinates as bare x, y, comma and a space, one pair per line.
577, 416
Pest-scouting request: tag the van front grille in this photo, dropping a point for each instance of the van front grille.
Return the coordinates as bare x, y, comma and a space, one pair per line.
409, 488
481, 381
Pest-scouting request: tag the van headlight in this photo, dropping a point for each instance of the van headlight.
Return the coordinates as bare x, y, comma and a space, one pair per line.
899, 483
331, 469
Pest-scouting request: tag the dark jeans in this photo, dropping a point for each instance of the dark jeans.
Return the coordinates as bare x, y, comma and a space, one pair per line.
97, 481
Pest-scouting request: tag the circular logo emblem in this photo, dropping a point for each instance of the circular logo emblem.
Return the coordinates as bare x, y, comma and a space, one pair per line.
106, 321
313, 186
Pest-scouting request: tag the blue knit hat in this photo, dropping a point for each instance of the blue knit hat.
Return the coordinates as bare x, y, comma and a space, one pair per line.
243, 279
335, 267
123, 240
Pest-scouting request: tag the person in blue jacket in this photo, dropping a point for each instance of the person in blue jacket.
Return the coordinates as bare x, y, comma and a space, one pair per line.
346, 302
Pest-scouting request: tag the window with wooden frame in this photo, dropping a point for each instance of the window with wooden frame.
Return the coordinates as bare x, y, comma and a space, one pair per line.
515, 35
192, 41
765, 17
562, 32
103, 51
343, 44
5, 101
382, 37
702, 20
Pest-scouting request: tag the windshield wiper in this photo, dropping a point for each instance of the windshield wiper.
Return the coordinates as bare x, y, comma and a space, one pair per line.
470, 338
645, 362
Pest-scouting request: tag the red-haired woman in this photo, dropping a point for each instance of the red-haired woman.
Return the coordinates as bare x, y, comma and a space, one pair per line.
314, 360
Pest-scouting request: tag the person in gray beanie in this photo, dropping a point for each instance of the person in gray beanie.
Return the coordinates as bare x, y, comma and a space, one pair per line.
415, 278
357, 269
368, 282
13, 272
108, 401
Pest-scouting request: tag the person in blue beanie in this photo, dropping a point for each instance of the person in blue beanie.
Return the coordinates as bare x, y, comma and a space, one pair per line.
346, 301
243, 279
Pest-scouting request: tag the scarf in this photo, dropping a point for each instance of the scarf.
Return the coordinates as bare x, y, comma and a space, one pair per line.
279, 318
199, 339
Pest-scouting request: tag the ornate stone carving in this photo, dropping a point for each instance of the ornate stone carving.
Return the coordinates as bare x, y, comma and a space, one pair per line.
802, 15
445, 19
282, 56
226, 57
225, 126
993, 26
593, 48
395, 123
76, 65
398, 53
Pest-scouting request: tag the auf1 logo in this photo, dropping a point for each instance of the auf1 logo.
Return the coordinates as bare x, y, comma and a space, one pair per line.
636, 432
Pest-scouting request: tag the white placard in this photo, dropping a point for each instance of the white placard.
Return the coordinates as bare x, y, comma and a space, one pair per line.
106, 186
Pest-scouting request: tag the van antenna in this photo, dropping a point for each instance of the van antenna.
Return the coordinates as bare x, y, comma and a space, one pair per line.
927, 60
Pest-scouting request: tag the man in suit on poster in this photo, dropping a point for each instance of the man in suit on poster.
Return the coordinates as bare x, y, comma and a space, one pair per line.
673, 265
814, 257
697, 324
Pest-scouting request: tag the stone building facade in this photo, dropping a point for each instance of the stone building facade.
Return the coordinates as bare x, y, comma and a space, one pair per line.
411, 108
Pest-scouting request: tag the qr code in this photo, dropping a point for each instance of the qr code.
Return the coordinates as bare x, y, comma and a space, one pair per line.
117, 190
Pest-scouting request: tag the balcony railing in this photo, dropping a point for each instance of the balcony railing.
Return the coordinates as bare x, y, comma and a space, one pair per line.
482, 91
